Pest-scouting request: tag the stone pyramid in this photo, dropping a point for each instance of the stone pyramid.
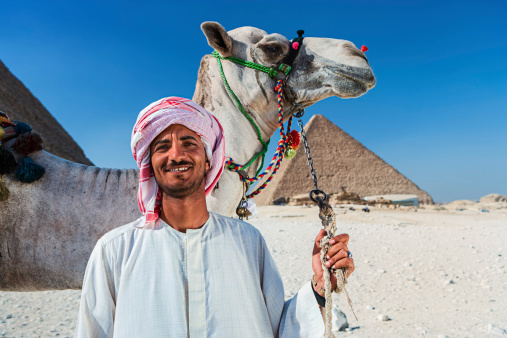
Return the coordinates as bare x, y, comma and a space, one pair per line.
20, 105
342, 163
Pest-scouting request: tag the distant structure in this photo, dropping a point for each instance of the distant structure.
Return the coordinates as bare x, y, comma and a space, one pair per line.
343, 165
20, 104
396, 199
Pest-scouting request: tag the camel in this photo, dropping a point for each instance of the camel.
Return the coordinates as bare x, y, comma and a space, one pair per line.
48, 228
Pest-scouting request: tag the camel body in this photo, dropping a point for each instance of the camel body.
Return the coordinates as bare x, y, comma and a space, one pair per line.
48, 228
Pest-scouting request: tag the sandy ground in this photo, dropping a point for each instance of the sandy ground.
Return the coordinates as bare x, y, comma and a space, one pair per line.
433, 272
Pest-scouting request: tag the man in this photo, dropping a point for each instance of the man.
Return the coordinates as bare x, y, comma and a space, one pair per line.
180, 270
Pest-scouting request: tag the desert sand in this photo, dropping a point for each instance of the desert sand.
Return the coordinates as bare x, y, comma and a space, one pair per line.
437, 271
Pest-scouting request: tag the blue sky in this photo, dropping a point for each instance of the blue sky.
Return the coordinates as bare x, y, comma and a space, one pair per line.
438, 113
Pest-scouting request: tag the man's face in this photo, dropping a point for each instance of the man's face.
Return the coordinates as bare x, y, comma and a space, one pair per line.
179, 161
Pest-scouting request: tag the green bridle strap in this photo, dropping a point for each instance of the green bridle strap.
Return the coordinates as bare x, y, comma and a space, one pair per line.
272, 72
240, 106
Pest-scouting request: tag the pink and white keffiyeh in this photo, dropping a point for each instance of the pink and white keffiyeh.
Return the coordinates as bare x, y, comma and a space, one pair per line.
153, 120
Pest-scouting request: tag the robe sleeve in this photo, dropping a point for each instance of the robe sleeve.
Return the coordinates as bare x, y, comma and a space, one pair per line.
97, 307
299, 316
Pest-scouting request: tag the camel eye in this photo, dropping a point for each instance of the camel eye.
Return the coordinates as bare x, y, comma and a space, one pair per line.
273, 49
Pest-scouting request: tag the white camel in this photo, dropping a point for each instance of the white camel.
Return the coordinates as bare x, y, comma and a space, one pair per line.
48, 228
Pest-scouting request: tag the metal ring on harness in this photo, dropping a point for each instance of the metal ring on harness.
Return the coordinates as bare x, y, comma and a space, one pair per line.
300, 110
314, 195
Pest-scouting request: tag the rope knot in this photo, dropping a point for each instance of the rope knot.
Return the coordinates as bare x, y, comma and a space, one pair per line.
272, 73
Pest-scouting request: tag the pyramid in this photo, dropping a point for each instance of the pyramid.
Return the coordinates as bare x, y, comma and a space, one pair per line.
20, 105
342, 164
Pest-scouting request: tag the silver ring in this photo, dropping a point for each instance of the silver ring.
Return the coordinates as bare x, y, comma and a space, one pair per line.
349, 254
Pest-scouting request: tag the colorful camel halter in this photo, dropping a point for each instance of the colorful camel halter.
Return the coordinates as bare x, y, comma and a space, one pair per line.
289, 141
26, 143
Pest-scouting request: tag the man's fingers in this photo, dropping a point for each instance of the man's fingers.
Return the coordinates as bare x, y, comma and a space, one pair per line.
344, 238
335, 258
321, 235
345, 263
340, 246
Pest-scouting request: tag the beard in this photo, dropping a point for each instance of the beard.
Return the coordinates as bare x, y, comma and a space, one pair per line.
181, 190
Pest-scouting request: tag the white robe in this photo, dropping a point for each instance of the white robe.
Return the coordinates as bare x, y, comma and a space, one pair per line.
216, 281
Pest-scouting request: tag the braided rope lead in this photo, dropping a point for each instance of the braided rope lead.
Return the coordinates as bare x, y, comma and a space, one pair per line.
328, 219
279, 153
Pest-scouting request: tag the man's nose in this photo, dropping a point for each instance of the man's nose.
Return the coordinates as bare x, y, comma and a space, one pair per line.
177, 153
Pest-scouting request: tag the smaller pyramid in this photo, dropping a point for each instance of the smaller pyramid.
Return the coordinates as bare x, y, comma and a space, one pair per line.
342, 164
20, 105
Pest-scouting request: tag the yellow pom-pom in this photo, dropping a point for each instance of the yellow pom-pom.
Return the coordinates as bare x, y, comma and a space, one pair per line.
4, 192
290, 153
2, 133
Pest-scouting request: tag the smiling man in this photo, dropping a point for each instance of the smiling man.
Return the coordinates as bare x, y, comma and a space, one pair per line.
180, 270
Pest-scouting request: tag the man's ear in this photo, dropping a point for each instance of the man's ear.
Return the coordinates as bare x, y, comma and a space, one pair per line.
207, 166
217, 37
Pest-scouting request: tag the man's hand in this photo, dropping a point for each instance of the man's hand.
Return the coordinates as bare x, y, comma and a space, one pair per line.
337, 257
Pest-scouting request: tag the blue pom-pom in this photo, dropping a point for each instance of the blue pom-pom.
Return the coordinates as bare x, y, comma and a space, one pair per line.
29, 172
22, 127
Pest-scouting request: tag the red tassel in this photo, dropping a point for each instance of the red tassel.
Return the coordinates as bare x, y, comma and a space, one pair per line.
364, 48
293, 140
27, 143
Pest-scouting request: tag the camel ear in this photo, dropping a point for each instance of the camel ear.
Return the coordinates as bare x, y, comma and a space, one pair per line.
217, 37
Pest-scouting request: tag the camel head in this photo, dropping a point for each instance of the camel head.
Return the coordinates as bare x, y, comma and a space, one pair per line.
323, 68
